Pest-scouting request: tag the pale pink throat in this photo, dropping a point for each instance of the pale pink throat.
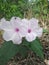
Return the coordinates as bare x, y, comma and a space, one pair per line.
17, 29
29, 30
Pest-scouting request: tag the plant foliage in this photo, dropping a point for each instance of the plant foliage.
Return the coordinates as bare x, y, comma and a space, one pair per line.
9, 50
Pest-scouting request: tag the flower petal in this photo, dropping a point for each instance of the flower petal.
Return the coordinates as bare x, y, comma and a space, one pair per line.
3, 19
38, 32
17, 39
5, 25
34, 23
25, 22
34, 20
15, 22
8, 35
30, 37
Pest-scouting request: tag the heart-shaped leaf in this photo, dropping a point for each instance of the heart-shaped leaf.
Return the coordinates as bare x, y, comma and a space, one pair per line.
7, 51
37, 48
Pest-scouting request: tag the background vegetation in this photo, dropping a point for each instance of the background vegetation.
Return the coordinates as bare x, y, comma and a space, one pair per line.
24, 8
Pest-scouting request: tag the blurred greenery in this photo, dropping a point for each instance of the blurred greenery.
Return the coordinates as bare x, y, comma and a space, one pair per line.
24, 8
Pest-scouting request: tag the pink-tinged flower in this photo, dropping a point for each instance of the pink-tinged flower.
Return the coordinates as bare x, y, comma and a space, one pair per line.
31, 29
12, 30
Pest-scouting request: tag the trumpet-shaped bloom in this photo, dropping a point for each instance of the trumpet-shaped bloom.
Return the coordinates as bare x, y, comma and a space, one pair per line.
17, 28
12, 30
31, 29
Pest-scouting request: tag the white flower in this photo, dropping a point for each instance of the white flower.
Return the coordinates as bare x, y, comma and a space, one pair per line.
16, 28
12, 30
31, 29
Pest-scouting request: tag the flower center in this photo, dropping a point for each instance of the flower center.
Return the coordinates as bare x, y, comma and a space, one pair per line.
17, 30
29, 30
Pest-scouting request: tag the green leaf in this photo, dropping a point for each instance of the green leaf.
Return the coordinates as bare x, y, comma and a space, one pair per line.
7, 51
23, 50
25, 42
37, 48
